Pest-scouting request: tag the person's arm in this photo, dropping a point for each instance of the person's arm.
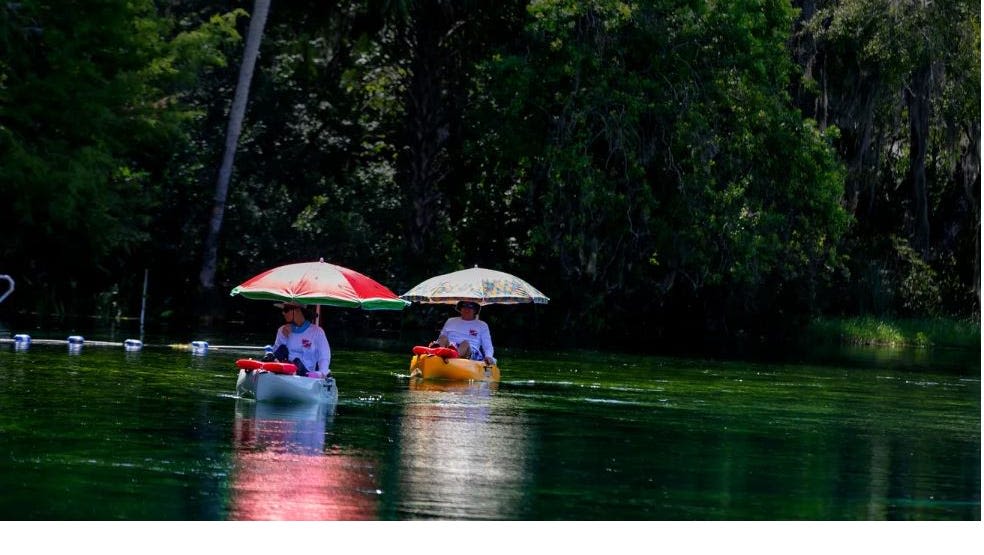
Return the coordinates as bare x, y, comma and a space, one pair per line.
444, 332
487, 348
324, 353
280, 351
281, 336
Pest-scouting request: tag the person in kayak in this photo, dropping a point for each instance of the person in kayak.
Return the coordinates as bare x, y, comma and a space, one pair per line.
466, 333
301, 342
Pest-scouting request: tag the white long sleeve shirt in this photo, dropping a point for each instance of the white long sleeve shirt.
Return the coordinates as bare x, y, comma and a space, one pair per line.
477, 333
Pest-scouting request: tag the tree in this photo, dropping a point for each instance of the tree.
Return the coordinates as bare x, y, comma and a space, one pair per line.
90, 102
440, 43
901, 81
655, 161
261, 9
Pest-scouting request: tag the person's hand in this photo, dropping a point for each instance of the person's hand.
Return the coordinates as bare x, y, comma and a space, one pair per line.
489, 361
285, 330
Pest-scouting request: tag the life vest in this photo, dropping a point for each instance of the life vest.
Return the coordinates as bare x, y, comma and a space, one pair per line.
443, 352
285, 368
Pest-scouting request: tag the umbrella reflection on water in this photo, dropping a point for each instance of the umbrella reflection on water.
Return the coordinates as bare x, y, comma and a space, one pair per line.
473, 388
282, 471
463, 457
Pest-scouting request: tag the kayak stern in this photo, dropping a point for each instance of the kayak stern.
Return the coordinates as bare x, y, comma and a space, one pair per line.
280, 388
431, 367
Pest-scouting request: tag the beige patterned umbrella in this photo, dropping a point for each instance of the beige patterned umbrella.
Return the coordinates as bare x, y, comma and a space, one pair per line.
476, 284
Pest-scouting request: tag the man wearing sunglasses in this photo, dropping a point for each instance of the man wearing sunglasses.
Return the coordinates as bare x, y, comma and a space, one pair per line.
469, 335
302, 342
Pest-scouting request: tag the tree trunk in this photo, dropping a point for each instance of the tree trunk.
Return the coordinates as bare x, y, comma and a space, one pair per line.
428, 127
917, 99
210, 259
970, 170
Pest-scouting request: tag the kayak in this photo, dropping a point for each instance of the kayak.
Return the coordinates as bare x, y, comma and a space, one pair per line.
277, 382
433, 367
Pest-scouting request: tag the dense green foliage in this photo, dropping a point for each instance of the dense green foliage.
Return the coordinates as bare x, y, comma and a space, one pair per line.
659, 169
901, 82
92, 108
661, 166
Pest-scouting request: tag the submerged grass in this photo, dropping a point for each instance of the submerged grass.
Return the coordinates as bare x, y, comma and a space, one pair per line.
939, 332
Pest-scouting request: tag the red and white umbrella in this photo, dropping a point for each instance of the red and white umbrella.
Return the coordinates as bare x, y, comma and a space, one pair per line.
320, 283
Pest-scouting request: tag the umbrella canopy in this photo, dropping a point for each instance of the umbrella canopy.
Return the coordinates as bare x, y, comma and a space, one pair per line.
320, 283
475, 284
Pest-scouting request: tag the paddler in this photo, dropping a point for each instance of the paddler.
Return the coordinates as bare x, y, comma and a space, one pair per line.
302, 342
466, 333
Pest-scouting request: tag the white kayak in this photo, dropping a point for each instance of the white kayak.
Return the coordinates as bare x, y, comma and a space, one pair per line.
281, 388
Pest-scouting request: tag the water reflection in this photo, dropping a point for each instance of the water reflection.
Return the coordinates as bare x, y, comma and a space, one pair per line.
475, 389
282, 470
462, 456
156, 435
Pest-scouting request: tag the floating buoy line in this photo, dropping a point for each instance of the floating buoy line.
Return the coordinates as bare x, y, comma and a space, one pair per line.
23, 341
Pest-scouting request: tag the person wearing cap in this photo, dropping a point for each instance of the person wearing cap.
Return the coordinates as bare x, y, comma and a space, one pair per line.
302, 342
466, 333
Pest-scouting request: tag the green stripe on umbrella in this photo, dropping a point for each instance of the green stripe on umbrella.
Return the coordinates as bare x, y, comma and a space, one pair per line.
320, 283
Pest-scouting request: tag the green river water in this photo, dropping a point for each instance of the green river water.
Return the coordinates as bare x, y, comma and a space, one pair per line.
105, 434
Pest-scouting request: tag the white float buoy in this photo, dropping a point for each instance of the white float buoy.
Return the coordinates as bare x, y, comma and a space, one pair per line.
133, 344
75, 340
22, 342
199, 348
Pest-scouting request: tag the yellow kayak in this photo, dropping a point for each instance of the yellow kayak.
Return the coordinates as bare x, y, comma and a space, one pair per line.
431, 367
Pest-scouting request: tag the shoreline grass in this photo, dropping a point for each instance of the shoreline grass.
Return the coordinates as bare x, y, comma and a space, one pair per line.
926, 332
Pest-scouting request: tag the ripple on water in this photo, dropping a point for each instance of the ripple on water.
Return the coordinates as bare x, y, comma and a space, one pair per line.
610, 401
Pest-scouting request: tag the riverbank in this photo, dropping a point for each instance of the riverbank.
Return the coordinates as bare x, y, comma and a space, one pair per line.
937, 332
